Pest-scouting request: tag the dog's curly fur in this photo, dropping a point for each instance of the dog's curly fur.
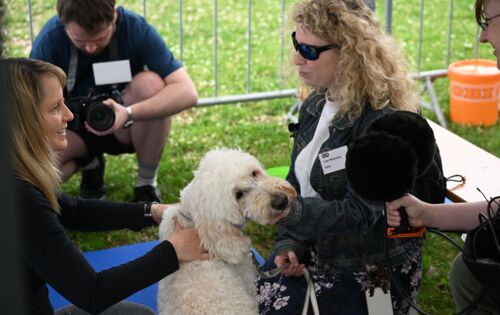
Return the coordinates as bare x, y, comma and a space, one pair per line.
229, 187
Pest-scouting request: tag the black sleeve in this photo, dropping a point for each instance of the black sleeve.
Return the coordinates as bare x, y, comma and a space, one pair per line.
51, 254
311, 216
100, 215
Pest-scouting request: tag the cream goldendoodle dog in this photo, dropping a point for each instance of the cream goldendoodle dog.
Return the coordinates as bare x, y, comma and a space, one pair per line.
229, 187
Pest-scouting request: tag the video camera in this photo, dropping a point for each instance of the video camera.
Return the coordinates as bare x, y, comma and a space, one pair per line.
91, 109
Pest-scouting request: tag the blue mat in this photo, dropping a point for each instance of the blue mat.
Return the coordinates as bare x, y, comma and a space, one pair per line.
107, 258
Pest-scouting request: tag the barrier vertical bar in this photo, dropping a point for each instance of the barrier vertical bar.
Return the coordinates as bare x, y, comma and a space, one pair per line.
450, 28
30, 21
249, 47
216, 59
388, 16
144, 9
420, 35
181, 36
282, 45
476, 43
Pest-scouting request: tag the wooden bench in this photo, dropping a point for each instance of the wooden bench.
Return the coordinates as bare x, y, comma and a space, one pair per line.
481, 169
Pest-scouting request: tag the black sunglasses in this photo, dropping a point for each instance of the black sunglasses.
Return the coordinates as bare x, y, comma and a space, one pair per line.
310, 52
485, 22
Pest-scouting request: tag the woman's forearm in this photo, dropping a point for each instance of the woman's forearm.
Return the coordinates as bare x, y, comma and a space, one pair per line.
456, 216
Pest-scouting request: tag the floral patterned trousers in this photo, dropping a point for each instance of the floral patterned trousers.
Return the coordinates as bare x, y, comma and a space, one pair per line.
337, 294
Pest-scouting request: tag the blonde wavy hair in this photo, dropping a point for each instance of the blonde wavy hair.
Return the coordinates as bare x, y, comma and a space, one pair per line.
371, 69
34, 159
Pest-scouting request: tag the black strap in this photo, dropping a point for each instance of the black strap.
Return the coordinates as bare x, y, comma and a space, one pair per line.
113, 48
73, 65
73, 61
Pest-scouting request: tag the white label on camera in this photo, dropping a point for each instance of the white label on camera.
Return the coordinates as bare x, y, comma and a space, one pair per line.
333, 160
379, 303
112, 72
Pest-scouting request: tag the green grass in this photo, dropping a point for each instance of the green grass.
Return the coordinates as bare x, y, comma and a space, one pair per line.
260, 128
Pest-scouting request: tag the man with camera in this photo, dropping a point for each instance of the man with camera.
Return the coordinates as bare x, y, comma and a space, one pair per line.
114, 60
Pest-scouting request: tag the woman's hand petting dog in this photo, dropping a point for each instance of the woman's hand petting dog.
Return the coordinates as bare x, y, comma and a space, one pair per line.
157, 210
295, 269
186, 243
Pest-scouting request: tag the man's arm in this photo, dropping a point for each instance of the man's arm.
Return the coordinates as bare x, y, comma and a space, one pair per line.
178, 94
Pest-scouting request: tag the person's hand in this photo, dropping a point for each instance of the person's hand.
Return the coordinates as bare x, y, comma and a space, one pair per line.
121, 117
157, 210
295, 269
186, 243
415, 209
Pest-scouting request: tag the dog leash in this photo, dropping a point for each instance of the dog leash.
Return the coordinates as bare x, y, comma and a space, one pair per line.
310, 295
267, 274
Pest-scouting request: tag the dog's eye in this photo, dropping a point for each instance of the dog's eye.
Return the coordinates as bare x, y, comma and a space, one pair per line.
255, 173
239, 194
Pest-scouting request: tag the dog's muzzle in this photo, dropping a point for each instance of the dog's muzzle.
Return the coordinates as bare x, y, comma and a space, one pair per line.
279, 201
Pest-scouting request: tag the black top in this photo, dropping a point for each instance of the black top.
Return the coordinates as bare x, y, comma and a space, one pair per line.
51, 257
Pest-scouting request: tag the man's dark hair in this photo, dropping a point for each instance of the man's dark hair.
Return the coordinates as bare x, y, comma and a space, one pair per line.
88, 14
479, 7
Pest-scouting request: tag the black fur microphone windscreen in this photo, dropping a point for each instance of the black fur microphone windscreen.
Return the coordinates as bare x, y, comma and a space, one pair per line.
381, 166
384, 163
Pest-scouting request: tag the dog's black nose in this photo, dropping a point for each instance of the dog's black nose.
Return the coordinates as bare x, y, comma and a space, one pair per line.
279, 201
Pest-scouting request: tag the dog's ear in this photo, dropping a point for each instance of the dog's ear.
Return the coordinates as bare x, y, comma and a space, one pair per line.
223, 240
206, 206
211, 195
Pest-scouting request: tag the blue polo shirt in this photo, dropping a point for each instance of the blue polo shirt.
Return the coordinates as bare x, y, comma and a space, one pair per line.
137, 41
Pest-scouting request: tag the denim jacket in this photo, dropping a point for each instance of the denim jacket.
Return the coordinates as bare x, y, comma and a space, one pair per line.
347, 231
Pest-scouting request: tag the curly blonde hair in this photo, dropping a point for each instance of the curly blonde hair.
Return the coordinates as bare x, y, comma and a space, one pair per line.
371, 69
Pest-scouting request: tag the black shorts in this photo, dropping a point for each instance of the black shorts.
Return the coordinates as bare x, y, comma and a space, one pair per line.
97, 145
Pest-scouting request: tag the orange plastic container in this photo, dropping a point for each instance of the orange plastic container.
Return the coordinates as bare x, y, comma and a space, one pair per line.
474, 92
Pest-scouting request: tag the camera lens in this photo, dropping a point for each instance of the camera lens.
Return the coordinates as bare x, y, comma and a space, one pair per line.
100, 116
77, 106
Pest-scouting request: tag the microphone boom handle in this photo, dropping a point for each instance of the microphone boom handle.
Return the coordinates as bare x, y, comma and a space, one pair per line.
404, 227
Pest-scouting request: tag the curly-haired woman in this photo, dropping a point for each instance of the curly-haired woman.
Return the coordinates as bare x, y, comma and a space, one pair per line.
357, 74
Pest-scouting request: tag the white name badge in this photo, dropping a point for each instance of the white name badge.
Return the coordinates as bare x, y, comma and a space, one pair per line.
379, 303
112, 72
333, 160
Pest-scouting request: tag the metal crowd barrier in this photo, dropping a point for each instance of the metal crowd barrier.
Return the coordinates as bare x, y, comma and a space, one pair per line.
425, 78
